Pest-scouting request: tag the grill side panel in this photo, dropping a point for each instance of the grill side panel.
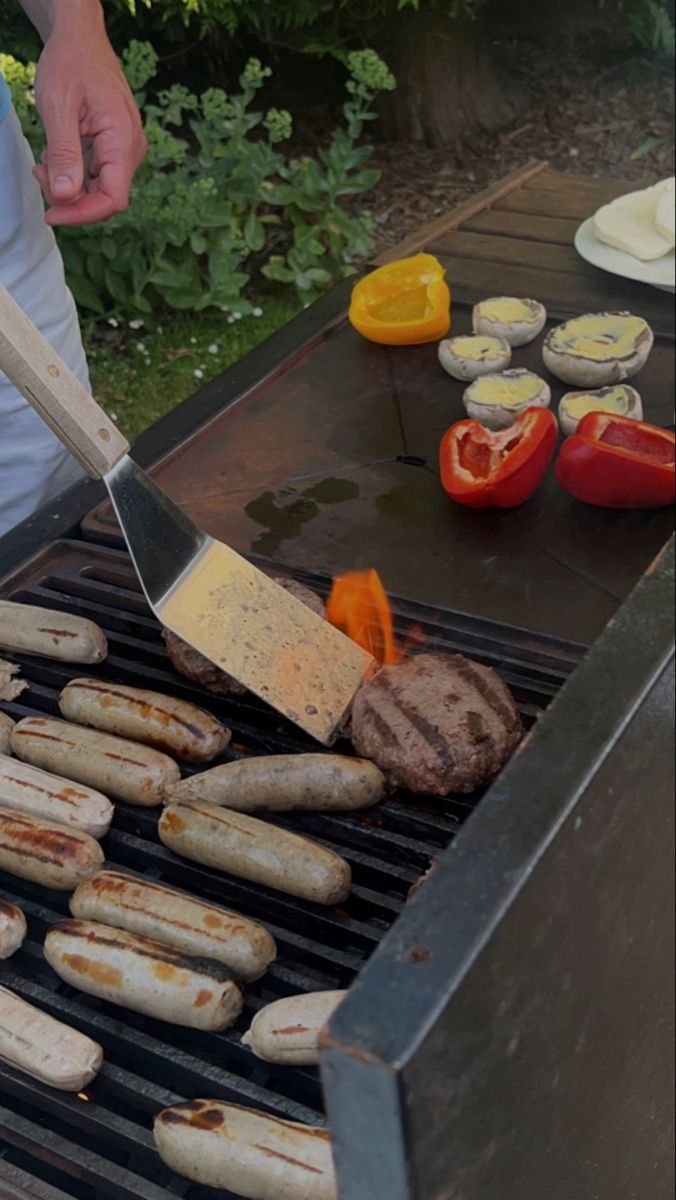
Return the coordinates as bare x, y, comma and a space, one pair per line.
523, 1046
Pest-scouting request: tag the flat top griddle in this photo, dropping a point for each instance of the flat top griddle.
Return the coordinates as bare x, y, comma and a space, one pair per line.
326, 459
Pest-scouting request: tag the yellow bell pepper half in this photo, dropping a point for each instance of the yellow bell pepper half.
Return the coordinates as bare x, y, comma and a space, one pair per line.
405, 303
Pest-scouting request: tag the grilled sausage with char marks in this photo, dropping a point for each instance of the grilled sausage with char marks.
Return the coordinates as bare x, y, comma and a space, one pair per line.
120, 768
287, 1031
13, 928
173, 726
6, 727
51, 798
237, 1149
46, 853
252, 849
25, 629
45, 1048
182, 922
144, 975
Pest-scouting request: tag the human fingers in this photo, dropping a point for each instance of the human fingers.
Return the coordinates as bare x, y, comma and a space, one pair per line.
63, 156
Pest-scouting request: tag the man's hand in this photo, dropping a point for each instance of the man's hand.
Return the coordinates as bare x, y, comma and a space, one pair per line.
95, 139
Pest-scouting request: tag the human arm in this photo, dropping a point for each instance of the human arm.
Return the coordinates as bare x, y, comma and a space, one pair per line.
95, 139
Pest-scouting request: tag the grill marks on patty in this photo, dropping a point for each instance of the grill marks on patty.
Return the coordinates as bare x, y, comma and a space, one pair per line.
436, 723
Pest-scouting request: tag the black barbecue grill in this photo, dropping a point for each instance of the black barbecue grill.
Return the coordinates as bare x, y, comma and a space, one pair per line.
508, 1033
99, 1144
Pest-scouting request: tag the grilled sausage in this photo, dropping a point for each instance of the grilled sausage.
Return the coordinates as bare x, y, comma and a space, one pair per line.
25, 629
45, 1048
50, 798
287, 1031
252, 849
167, 916
224, 1146
13, 928
118, 767
46, 853
171, 725
144, 975
285, 782
6, 727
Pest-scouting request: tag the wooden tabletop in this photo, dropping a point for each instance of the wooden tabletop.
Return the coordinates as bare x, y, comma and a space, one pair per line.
330, 461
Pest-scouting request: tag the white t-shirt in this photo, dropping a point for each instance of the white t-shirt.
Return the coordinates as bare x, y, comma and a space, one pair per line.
34, 466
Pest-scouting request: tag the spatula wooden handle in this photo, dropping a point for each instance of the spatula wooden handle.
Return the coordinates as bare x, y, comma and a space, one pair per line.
53, 391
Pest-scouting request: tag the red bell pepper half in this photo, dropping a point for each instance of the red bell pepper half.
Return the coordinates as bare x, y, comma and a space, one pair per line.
615, 462
482, 469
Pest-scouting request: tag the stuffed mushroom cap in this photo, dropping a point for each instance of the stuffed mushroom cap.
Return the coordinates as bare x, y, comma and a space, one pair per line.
598, 349
470, 356
517, 321
621, 399
495, 401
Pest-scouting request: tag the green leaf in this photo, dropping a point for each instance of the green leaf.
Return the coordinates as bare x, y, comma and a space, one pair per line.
278, 272
198, 243
85, 294
117, 287
647, 147
254, 232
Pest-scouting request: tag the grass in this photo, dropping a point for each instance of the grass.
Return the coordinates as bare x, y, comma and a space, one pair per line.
139, 374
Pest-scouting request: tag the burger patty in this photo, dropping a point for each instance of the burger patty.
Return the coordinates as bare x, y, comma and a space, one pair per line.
202, 671
436, 724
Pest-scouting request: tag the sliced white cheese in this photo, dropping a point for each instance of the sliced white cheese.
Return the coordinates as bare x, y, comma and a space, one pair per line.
665, 212
628, 224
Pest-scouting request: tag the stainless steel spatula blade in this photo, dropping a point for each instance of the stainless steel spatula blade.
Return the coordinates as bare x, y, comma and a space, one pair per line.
200, 589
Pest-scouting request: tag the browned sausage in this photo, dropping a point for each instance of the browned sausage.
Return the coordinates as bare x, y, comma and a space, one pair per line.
6, 727
286, 782
44, 1048
119, 768
165, 915
224, 1146
252, 849
171, 725
144, 975
46, 853
50, 798
26, 629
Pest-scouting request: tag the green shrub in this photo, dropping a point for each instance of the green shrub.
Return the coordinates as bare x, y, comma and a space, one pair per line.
651, 26
216, 199
263, 15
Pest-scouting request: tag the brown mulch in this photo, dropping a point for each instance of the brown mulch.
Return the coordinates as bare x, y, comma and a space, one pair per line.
581, 119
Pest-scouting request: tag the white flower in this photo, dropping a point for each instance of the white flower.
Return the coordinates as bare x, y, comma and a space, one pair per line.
113, 416
160, 329
213, 348
193, 341
113, 322
231, 320
141, 347
199, 374
138, 323
257, 312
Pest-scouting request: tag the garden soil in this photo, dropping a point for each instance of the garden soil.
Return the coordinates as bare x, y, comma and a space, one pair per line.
617, 121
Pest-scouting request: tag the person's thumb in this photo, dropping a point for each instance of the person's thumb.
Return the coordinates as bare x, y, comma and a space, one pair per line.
64, 152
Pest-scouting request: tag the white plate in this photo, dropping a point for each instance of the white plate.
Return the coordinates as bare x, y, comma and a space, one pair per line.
660, 274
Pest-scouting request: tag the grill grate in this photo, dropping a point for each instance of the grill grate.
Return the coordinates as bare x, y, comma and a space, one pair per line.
99, 1146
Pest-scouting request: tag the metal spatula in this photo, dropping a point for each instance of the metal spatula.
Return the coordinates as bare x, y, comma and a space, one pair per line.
198, 588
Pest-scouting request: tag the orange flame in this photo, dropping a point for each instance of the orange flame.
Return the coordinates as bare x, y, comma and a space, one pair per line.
359, 607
